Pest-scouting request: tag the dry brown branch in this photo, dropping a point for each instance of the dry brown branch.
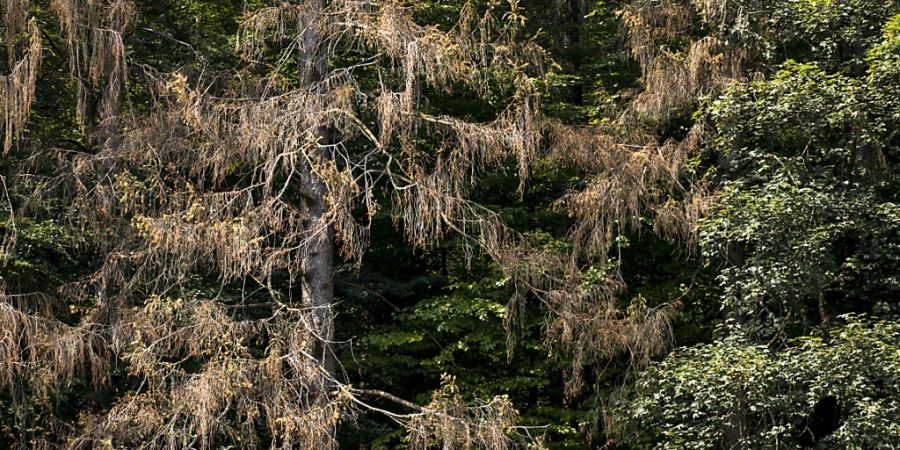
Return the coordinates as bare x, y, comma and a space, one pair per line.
675, 78
93, 30
17, 89
39, 354
450, 423
15, 22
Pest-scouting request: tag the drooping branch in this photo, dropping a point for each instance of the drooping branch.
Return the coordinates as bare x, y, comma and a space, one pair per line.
15, 22
94, 31
40, 354
17, 90
674, 78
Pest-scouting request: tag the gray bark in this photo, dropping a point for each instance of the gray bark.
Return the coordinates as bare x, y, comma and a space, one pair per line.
317, 267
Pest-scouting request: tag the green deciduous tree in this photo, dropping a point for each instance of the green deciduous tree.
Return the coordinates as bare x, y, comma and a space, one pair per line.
836, 392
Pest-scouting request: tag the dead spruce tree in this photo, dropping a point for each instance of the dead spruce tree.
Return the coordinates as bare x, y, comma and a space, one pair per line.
270, 177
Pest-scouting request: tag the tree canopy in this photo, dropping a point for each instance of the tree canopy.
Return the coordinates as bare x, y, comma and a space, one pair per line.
460, 224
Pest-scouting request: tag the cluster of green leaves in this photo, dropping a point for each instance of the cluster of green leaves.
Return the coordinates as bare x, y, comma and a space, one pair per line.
460, 333
808, 198
734, 394
804, 230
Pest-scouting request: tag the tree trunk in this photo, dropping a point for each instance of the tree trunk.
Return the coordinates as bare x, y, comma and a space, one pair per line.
317, 267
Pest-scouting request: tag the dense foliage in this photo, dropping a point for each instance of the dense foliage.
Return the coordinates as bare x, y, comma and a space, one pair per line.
835, 392
632, 224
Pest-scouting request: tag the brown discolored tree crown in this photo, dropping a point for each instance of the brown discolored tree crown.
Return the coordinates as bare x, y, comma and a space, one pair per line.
275, 175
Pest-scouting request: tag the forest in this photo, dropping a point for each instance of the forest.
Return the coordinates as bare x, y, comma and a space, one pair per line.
450, 224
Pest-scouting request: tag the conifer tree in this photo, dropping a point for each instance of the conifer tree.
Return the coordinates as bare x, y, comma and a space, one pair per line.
260, 180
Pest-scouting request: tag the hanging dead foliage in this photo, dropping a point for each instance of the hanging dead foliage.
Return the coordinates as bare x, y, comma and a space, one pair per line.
449, 422
166, 190
247, 184
679, 65
233, 395
40, 355
17, 89
15, 23
93, 31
